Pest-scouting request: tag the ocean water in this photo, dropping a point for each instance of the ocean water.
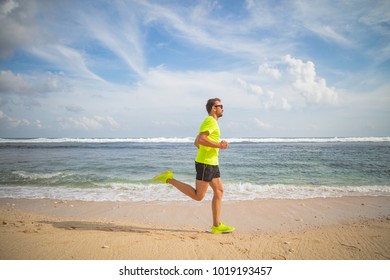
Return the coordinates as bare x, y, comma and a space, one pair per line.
252, 168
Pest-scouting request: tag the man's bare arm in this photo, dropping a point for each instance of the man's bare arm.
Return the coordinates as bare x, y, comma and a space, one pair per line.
196, 142
202, 139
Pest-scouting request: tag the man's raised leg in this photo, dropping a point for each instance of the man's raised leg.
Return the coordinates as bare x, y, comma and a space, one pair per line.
197, 193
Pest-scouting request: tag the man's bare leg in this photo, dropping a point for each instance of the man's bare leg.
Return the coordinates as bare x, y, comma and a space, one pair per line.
216, 185
197, 193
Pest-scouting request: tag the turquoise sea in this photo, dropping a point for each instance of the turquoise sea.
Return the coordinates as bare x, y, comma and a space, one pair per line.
252, 168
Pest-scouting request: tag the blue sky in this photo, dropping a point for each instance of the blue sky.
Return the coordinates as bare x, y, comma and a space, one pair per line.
146, 68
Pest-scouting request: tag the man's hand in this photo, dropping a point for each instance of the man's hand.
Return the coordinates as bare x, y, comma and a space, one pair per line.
223, 144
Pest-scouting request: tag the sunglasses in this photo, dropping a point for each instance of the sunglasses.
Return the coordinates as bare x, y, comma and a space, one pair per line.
219, 106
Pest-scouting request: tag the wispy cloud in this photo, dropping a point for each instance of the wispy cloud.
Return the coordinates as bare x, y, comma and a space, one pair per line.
66, 58
119, 31
199, 26
328, 33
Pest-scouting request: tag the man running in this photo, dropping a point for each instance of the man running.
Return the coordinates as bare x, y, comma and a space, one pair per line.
206, 165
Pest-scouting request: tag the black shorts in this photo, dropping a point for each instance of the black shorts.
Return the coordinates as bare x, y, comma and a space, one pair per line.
205, 172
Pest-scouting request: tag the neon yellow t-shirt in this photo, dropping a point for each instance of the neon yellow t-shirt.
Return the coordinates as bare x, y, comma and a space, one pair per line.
208, 155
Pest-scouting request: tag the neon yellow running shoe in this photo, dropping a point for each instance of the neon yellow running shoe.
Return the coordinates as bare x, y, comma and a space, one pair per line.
221, 229
163, 177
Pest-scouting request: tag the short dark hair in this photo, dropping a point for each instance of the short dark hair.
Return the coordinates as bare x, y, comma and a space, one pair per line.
210, 103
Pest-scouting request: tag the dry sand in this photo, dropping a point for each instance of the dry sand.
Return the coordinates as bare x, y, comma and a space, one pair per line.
310, 229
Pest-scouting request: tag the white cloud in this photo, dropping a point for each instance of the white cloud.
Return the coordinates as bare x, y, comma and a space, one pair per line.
74, 108
251, 88
18, 26
314, 89
267, 69
15, 123
165, 88
7, 7
250, 4
108, 121
259, 123
293, 84
10, 82
268, 99
88, 123
29, 84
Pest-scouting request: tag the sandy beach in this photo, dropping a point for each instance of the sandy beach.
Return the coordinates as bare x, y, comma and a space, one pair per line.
345, 228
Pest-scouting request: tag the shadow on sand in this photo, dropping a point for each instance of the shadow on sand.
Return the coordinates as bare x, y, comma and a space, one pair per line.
83, 225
